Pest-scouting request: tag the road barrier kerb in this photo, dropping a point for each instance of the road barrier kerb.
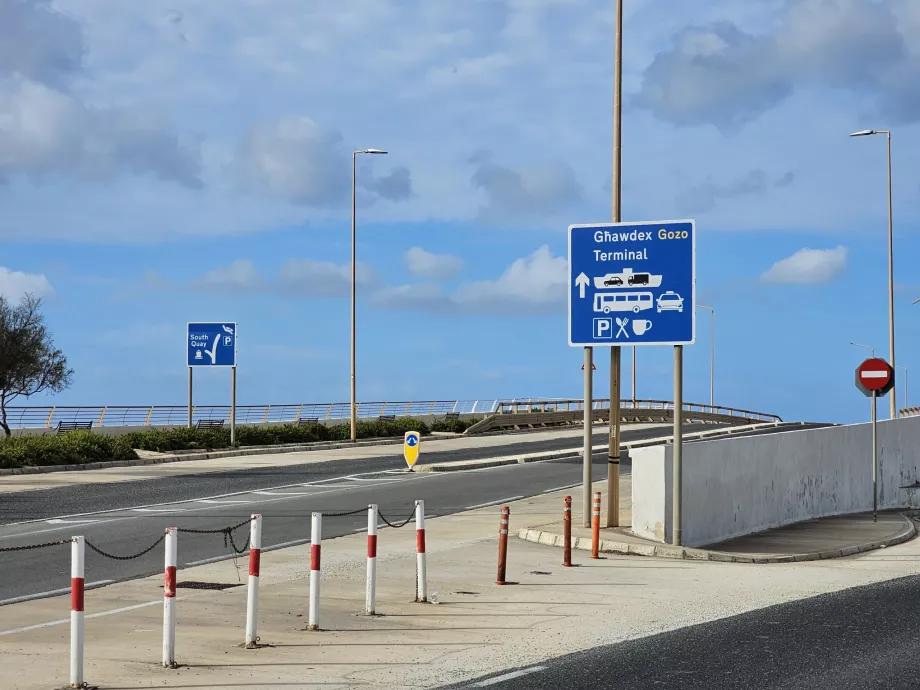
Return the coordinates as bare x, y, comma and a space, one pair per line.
654, 550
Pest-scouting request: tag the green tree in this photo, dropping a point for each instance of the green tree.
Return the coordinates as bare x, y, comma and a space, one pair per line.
29, 362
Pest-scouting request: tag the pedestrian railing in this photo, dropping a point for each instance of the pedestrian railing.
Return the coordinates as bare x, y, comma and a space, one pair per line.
32, 417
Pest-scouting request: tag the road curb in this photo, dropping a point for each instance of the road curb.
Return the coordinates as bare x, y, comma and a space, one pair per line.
496, 462
208, 455
652, 549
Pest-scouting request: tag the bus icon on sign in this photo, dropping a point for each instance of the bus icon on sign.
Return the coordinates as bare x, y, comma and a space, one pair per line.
606, 302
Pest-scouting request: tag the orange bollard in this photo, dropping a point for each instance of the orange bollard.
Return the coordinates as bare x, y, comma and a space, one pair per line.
567, 526
503, 544
596, 526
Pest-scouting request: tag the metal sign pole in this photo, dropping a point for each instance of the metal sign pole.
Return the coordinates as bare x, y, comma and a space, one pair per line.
678, 442
190, 369
233, 405
588, 418
874, 458
613, 444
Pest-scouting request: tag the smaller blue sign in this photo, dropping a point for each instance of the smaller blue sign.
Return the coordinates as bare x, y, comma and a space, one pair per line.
211, 344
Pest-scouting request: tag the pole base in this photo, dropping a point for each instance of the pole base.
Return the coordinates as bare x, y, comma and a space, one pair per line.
313, 628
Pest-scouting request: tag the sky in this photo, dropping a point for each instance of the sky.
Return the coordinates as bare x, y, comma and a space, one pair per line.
165, 162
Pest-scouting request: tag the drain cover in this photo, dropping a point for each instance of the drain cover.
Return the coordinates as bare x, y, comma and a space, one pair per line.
539, 572
191, 584
474, 594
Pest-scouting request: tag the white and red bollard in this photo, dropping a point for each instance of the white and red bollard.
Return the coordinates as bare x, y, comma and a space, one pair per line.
169, 599
596, 526
370, 599
316, 538
252, 599
421, 594
77, 554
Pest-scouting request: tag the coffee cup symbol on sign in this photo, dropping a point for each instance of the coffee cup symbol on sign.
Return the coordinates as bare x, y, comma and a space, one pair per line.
640, 326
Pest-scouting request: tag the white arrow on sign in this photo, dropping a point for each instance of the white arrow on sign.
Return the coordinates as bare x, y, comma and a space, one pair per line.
582, 282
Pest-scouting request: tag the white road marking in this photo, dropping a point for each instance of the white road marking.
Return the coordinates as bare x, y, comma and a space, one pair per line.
221, 502
54, 592
158, 602
285, 493
158, 510
507, 676
492, 503
59, 521
560, 488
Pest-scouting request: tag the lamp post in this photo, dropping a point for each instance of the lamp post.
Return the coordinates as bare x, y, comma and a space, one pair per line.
867, 347
354, 403
712, 354
887, 133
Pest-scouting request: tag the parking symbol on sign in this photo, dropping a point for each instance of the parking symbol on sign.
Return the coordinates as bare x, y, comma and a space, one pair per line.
603, 328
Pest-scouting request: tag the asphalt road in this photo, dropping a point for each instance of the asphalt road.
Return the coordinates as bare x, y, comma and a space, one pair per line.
124, 518
860, 638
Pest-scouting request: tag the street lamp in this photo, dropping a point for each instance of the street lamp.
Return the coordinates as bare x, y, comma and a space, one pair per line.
887, 133
867, 347
354, 403
712, 354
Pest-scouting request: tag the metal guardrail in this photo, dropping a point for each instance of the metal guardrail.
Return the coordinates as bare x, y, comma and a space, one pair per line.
47, 417
515, 406
909, 412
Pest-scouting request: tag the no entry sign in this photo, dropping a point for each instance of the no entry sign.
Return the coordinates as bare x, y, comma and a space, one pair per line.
875, 375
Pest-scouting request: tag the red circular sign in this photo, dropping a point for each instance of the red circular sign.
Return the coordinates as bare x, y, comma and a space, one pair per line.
874, 374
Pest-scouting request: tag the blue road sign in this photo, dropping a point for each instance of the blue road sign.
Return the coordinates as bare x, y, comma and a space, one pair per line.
632, 283
211, 344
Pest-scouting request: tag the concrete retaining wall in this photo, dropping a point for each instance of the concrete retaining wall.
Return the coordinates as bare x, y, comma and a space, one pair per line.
738, 486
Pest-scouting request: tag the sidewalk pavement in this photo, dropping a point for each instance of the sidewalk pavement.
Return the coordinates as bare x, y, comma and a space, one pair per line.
30, 482
477, 628
831, 537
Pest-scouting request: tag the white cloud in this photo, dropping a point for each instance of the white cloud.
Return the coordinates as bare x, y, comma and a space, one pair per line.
526, 193
534, 284
721, 74
300, 160
46, 129
428, 265
240, 276
808, 267
14, 284
537, 282
321, 278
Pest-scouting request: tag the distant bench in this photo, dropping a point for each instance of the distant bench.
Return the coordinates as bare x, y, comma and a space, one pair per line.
207, 424
386, 418
452, 415
307, 420
64, 427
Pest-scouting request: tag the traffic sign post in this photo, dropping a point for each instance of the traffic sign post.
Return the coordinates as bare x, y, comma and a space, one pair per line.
632, 284
212, 345
411, 447
875, 378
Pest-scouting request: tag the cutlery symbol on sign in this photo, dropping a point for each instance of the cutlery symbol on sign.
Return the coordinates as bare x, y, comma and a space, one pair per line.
622, 324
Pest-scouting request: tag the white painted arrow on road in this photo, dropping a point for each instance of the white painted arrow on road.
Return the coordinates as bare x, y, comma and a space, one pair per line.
582, 282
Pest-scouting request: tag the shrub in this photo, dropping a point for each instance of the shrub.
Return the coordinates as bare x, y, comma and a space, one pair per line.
457, 426
73, 448
79, 447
